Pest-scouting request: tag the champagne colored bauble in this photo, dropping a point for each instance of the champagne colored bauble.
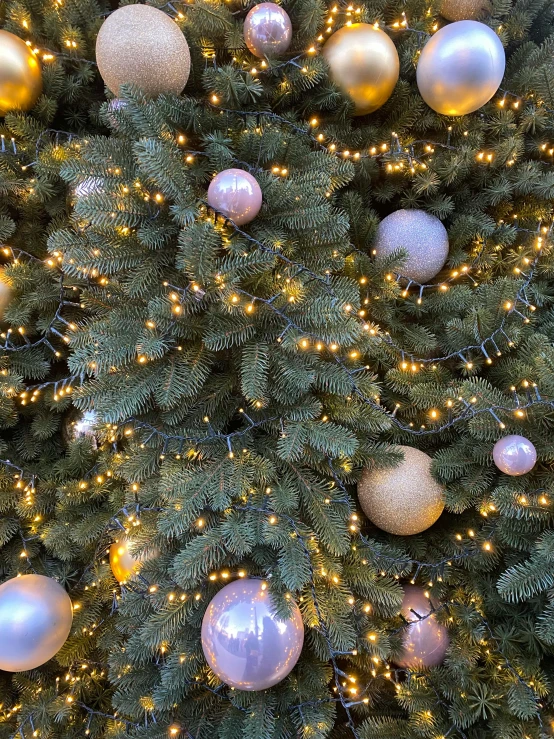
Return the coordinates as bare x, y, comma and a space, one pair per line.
141, 45
124, 565
20, 74
6, 293
515, 455
236, 194
418, 233
460, 68
35, 621
244, 642
425, 639
267, 30
465, 10
402, 500
364, 64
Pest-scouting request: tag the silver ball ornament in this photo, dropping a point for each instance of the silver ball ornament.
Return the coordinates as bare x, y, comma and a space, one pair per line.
460, 68
425, 639
267, 30
464, 10
85, 425
514, 455
35, 621
402, 500
419, 234
236, 194
244, 642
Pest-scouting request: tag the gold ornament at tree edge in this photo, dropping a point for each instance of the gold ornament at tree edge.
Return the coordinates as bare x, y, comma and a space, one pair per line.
123, 564
403, 500
20, 74
465, 10
364, 64
5, 293
141, 45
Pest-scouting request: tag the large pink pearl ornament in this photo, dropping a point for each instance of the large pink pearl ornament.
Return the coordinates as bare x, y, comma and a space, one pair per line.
245, 643
267, 30
514, 455
236, 194
425, 639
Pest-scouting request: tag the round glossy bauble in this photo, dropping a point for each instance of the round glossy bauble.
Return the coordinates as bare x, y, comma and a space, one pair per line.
35, 621
515, 455
20, 74
418, 233
267, 30
142, 45
245, 644
402, 500
465, 10
235, 194
460, 68
124, 565
6, 293
364, 64
425, 639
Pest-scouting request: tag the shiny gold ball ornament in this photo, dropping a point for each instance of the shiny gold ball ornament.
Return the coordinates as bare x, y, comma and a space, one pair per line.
364, 63
6, 293
465, 10
402, 500
20, 74
124, 565
142, 45
460, 68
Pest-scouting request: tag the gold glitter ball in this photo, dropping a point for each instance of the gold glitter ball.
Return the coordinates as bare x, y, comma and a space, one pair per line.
465, 10
141, 45
402, 500
20, 74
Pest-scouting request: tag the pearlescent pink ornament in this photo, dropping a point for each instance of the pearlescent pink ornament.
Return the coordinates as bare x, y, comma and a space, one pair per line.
425, 639
267, 30
514, 455
245, 644
236, 194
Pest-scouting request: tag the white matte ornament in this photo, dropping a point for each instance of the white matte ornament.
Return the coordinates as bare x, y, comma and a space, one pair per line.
419, 234
460, 68
35, 621
403, 500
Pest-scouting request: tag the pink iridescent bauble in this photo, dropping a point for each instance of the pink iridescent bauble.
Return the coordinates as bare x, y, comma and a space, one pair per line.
425, 639
244, 642
267, 30
514, 455
236, 194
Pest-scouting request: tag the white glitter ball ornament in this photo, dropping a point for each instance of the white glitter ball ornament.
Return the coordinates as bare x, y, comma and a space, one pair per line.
405, 499
418, 233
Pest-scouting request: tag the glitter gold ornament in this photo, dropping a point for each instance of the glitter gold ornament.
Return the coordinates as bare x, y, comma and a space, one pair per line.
141, 45
20, 74
402, 500
421, 235
465, 10
460, 68
364, 64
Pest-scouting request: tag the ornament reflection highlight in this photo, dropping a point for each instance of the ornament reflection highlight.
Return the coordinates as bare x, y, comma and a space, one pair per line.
245, 644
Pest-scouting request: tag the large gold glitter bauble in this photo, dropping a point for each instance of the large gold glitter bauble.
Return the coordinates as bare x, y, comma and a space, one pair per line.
364, 64
122, 562
20, 74
141, 45
402, 500
465, 10
6, 293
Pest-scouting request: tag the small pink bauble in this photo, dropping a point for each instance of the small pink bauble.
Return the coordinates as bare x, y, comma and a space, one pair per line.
514, 455
236, 194
425, 639
267, 30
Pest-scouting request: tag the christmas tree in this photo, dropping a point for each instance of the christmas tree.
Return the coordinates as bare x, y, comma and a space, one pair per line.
277, 369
